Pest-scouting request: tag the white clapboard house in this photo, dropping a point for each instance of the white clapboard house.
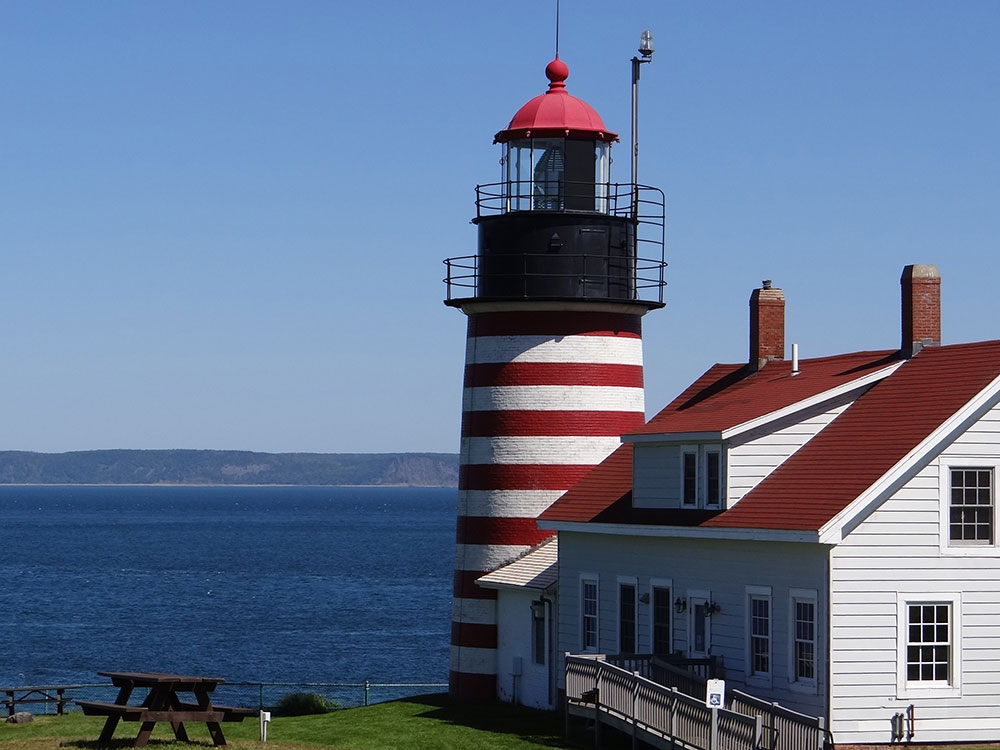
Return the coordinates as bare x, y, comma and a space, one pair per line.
825, 528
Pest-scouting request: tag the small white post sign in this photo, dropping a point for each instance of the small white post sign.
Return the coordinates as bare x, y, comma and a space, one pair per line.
715, 698
715, 694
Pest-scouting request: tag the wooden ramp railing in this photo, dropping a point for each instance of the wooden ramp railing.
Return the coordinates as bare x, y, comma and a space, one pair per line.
666, 717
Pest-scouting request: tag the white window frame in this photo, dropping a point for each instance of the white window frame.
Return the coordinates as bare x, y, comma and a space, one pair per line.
634, 583
689, 450
760, 593
593, 578
715, 450
806, 596
965, 549
920, 688
668, 584
700, 453
706, 597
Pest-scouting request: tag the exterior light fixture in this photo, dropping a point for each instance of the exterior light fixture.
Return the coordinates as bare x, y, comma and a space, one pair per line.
680, 605
646, 50
538, 609
646, 43
644, 598
712, 609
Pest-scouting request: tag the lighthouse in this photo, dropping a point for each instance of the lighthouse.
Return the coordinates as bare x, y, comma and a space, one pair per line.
567, 265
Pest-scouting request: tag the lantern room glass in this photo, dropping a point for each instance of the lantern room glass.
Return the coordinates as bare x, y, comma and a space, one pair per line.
557, 174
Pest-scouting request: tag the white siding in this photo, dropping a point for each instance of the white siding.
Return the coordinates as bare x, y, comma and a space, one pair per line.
754, 455
722, 568
531, 687
896, 553
656, 475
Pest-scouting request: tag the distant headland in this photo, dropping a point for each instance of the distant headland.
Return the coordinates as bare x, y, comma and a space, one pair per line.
228, 467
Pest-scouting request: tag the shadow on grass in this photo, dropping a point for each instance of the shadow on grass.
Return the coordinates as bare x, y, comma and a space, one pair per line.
130, 742
529, 724
544, 728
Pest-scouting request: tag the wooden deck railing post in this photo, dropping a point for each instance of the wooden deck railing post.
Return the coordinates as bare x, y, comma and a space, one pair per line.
758, 731
635, 701
672, 714
597, 707
10, 702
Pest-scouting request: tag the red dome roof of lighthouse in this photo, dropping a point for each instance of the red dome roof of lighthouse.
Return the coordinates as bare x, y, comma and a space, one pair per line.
556, 113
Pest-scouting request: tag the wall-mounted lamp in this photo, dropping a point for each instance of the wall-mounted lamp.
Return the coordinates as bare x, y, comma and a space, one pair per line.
644, 598
538, 609
680, 605
712, 609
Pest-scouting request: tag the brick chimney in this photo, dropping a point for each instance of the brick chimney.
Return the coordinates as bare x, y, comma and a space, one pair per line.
921, 304
767, 325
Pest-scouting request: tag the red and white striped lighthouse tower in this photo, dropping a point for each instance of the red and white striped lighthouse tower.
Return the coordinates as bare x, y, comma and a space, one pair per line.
553, 368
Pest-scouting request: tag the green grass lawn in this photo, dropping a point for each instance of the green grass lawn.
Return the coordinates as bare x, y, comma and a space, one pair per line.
422, 723
427, 722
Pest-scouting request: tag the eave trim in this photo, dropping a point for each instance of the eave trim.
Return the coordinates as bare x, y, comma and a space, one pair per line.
683, 532
834, 530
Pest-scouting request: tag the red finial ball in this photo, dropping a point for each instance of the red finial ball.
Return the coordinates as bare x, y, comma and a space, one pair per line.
557, 71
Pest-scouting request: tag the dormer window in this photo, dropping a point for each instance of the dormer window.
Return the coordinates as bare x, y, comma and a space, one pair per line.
713, 477
689, 477
701, 476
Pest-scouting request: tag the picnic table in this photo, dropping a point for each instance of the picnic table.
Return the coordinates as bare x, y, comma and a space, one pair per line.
162, 703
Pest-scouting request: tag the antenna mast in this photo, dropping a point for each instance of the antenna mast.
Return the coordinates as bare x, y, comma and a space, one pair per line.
557, 28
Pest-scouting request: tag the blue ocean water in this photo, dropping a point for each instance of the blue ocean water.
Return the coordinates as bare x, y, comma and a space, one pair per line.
289, 584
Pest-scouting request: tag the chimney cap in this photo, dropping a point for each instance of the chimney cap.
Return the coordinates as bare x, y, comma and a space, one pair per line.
765, 284
921, 271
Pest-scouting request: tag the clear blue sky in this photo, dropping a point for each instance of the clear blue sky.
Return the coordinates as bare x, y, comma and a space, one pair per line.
222, 223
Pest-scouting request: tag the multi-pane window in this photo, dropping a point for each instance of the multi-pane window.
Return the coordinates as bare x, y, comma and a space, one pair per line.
928, 643
661, 620
702, 483
760, 635
626, 618
971, 510
804, 656
713, 477
689, 468
588, 625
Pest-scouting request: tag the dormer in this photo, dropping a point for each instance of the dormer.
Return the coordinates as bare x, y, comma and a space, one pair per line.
739, 422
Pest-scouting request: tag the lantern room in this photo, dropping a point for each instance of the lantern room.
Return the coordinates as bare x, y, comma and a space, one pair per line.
557, 152
555, 227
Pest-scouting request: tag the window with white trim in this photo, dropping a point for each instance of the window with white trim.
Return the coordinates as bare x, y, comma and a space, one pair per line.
661, 614
929, 643
713, 477
803, 614
689, 477
702, 478
588, 613
758, 632
626, 616
971, 515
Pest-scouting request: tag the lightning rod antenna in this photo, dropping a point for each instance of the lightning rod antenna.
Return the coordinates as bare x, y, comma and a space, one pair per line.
557, 29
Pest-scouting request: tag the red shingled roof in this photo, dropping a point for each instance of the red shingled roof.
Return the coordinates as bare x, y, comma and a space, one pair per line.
869, 438
831, 470
729, 395
597, 490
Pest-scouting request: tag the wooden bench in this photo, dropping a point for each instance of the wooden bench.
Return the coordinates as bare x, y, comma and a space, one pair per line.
229, 713
100, 708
